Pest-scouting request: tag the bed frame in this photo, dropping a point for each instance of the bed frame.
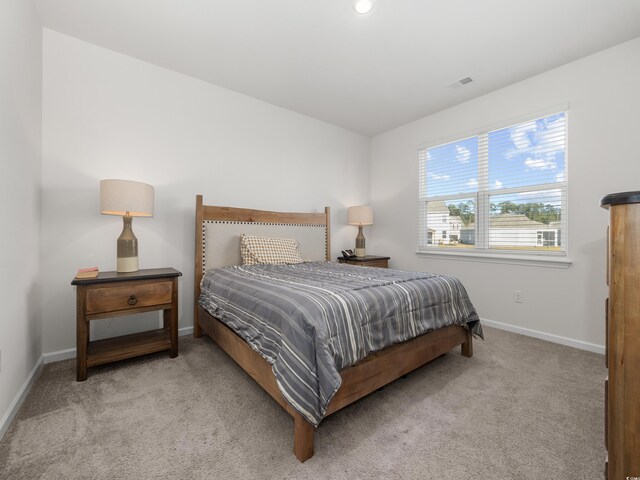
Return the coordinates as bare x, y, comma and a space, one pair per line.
367, 376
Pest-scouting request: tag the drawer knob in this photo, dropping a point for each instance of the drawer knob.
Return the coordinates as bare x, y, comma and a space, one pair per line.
132, 300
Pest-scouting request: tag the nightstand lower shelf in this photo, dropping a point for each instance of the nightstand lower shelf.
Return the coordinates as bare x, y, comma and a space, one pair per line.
113, 349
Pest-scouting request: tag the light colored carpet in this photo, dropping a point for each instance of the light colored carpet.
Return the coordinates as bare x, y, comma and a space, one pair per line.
519, 409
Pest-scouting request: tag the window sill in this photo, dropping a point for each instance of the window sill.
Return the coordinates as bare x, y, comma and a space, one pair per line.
535, 260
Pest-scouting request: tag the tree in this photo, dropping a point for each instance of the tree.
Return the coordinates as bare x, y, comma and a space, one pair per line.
508, 207
464, 210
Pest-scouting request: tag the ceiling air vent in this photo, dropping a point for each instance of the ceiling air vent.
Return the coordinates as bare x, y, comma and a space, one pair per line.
460, 83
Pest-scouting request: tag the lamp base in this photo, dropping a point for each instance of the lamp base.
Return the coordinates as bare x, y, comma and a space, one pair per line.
127, 248
360, 243
127, 264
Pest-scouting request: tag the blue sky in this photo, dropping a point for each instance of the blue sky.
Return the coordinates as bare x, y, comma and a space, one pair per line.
530, 153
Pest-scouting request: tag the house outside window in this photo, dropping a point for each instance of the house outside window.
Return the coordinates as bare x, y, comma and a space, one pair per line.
499, 190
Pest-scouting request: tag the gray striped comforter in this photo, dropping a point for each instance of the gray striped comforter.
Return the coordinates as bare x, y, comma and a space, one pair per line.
314, 319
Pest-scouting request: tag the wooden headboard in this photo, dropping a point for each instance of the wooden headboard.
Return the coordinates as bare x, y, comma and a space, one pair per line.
218, 231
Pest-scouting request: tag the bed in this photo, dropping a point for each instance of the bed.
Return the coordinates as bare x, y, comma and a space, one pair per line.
241, 327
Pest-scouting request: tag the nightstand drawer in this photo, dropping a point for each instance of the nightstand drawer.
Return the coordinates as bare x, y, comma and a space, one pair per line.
366, 261
375, 263
112, 298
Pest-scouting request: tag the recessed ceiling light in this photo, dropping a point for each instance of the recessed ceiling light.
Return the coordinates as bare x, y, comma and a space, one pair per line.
363, 6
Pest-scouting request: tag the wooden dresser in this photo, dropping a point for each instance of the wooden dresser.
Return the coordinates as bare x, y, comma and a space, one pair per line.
622, 387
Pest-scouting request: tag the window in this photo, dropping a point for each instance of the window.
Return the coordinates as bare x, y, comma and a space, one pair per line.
500, 190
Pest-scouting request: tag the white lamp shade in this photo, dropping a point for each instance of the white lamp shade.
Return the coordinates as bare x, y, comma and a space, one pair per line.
360, 215
126, 197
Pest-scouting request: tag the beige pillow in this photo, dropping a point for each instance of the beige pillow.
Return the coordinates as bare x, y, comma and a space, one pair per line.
267, 250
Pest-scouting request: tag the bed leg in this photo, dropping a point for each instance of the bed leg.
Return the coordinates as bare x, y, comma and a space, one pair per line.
302, 438
467, 346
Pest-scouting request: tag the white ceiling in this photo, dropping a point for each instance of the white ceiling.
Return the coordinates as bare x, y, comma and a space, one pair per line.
368, 73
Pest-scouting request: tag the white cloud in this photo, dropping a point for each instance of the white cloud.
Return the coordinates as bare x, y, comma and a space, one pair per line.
436, 176
472, 183
552, 138
498, 184
539, 142
463, 154
540, 164
520, 134
560, 177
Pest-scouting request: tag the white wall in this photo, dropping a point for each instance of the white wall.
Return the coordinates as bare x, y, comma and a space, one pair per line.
20, 141
604, 99
106, 115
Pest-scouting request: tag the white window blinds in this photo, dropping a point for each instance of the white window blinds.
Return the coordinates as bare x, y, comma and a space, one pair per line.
504, 189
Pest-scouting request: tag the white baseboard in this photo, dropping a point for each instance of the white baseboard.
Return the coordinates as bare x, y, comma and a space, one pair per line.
185, 331
59, 355
71, 352
570, 342
19, 398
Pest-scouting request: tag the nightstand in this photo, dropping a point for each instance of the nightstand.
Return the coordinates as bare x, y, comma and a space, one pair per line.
366, 261
113, 294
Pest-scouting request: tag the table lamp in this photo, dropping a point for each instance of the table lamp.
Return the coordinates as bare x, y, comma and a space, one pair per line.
129, 199
360, 216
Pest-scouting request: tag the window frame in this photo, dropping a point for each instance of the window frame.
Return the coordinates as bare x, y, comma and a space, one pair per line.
481, 250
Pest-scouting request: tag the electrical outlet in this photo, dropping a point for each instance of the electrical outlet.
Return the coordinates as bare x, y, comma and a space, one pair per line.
518, 296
